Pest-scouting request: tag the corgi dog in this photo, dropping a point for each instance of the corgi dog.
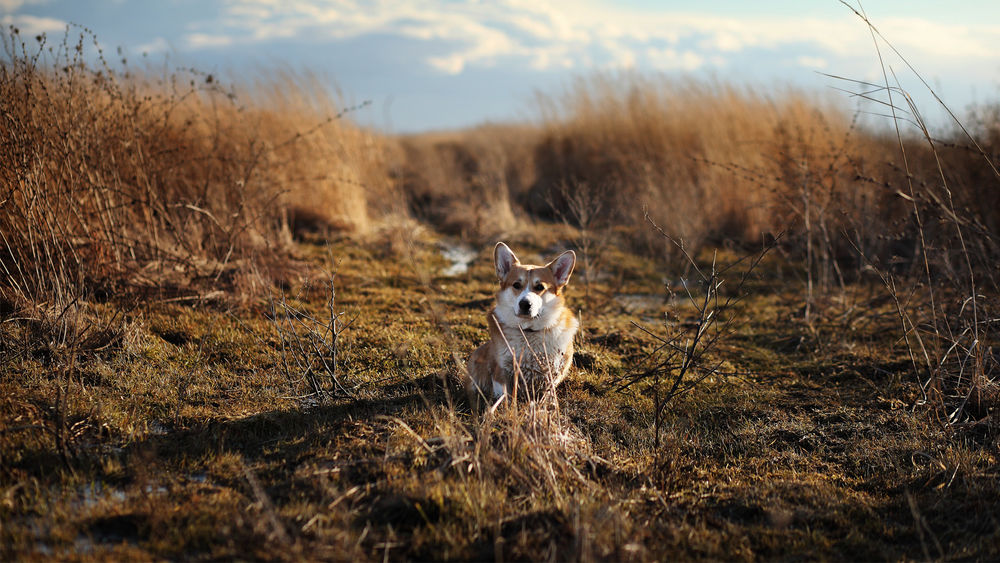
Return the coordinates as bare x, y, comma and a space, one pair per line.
531, 330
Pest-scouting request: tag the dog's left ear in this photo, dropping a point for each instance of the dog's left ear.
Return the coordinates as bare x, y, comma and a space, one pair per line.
562, 267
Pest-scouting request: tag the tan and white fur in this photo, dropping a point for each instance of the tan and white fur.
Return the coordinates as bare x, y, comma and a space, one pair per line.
531, 329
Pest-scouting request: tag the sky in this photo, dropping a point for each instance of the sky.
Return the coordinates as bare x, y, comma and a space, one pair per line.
444, 64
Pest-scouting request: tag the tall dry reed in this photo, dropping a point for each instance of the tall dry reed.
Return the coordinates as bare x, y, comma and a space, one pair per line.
114, 179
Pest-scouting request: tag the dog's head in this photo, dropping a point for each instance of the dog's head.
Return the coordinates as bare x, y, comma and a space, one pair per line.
528, 291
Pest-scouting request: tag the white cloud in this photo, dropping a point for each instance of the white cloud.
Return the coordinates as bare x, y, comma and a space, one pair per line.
451, 64
671, 59
726, 42
811, 62
945, 40
157, 45
551, 57
33, 25
543, 35
207, 41
621, 56
11, 6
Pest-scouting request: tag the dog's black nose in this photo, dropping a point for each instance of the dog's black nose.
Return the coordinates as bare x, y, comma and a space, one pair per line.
525, 305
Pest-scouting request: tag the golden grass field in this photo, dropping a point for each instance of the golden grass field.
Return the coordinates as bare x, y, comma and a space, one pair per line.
232, 325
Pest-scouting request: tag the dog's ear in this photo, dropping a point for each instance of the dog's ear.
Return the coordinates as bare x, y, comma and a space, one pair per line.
504, 258
562, 267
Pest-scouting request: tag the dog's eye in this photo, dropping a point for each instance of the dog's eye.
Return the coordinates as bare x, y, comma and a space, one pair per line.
518, 285
539, 287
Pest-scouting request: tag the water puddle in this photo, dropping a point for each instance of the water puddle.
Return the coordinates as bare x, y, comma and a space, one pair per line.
92, 494
460, 256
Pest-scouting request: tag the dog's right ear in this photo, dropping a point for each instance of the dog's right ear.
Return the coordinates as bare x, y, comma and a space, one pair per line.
504, 258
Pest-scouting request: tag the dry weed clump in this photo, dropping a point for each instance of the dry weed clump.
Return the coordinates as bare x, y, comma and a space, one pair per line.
523, 478
468, 183
947, 306
118, 180
712, 162
335, 177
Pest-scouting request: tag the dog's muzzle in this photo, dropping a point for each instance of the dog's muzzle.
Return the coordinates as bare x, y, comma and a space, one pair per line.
528, 305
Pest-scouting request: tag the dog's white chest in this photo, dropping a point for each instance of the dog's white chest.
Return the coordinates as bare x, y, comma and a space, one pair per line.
536, 353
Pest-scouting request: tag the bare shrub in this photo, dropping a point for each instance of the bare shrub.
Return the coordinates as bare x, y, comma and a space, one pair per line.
309, 344
683, 348
62, 338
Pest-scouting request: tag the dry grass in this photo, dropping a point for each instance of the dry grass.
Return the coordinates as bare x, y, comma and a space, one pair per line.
716, 165
468, 183
713, 164
121, 180
189, 443
335, 175
155, 404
